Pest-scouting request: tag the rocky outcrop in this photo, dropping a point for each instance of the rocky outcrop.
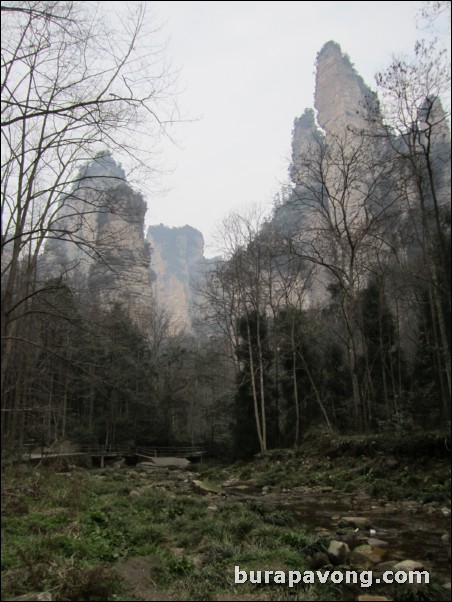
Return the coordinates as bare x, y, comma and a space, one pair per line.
342, 102
342, 99
99, 247
323, 140
306, 136
329, 171
177, 265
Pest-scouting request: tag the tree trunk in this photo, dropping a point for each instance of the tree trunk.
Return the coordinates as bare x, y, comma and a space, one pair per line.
254, 389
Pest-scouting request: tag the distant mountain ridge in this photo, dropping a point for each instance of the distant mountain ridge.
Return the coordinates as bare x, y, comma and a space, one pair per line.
102, 251
105, 252
99, 247
177, 265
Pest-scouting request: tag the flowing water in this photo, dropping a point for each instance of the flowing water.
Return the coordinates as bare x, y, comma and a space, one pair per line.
411, 530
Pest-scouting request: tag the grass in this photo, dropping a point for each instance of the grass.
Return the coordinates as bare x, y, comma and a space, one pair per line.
65, 534
381, 465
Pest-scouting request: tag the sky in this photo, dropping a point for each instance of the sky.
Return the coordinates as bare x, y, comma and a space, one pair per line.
246, 72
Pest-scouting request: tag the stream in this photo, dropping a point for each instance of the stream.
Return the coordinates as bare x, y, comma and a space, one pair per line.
411, 529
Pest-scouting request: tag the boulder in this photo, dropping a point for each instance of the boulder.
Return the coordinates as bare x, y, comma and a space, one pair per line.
318, 560
164, 462
377, 543
202, 487
147, 465
338, 552
359, 522
388, 565
409, 565
365, 556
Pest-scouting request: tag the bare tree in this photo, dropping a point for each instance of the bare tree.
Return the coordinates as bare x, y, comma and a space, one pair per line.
74, 82
347, 196
418, 131
236, 293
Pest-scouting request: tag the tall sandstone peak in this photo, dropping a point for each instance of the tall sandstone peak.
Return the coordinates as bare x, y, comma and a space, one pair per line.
342, 101
341, 95
102, 252
177, 264
345, 107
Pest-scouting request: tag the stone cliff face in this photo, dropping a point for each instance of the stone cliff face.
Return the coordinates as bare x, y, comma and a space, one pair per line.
341, 96
343, 181
326, 139
102, 253
177, 264
305, 137
342, 102
101, 250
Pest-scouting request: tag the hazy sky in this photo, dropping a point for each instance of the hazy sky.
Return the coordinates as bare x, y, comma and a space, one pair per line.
247, 70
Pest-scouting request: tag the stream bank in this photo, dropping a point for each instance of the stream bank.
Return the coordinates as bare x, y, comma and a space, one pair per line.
166, 533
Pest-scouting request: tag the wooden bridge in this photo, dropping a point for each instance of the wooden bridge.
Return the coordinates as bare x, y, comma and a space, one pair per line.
170, 452
111, 451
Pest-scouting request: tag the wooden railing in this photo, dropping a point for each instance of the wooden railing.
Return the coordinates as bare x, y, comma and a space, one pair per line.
100, 449
149, 452
178, 452
81, 449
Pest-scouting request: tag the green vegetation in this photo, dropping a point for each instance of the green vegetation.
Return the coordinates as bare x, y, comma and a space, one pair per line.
66, 533
415, 467
73, 534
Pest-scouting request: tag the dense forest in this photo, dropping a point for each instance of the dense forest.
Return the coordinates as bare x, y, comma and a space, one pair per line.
331, 312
